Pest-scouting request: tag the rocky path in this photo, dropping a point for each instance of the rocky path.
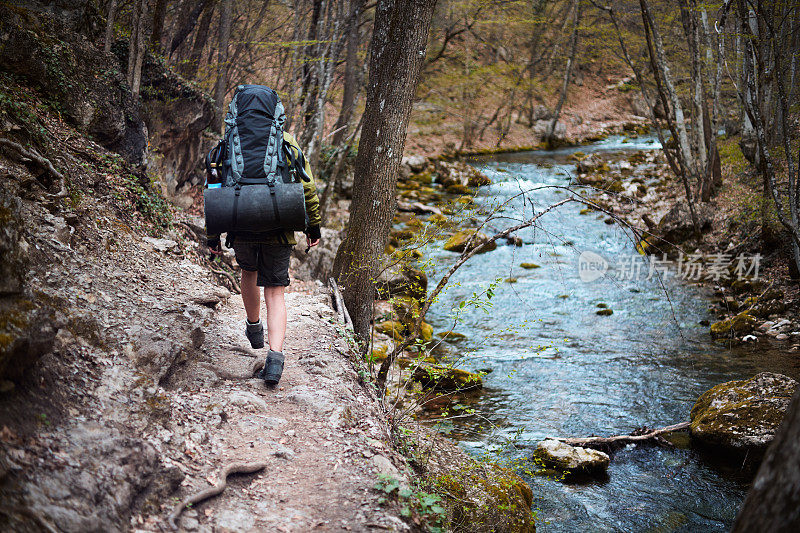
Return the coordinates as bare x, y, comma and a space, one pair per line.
148, 393
317, 431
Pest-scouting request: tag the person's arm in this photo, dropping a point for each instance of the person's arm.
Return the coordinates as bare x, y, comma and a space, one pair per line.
312, 232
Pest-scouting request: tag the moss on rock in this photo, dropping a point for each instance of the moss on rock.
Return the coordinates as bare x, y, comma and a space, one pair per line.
443, 378
742, 416
741, 324
458, 242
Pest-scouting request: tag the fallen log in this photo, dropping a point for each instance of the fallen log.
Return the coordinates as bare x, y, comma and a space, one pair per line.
645, 435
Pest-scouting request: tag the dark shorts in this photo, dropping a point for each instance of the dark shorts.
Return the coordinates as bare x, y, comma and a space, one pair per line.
271, 261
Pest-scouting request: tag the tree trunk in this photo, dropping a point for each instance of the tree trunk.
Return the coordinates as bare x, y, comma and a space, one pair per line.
352, 69
222, 60
187, 18
667, 94
773, 502
159, 14
141, 46
189, 69
393, 76
549, 135
112, 15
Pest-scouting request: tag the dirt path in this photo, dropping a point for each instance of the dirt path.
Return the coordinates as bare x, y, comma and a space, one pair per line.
317, 431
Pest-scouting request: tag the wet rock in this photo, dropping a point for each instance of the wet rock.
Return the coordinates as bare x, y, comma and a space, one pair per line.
458, 242
442, 378
742, 416
741, 324
604, 312
529, 266
573, 459
676, 225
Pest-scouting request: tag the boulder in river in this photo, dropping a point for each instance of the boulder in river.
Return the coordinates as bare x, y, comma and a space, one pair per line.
742, 416
741, 324
458, 242
571, 459
447, 379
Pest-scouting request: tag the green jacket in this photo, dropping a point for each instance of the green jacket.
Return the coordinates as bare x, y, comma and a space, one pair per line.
312, 208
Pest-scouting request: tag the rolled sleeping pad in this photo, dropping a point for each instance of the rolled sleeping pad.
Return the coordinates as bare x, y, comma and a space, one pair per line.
257, 208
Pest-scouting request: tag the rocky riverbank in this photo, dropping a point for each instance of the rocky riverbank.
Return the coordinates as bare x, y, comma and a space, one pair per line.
754, 298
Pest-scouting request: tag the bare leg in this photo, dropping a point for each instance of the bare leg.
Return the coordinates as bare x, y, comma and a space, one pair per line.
276, 316
251, 296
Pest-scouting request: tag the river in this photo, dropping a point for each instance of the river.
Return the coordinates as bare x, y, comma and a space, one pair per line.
559, 369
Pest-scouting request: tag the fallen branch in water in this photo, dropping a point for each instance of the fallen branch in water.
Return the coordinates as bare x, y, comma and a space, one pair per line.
230, 278
624, 439
233, 468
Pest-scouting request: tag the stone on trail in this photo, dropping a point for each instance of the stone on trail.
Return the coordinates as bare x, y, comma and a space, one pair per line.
742, 416
572, 459
247, 399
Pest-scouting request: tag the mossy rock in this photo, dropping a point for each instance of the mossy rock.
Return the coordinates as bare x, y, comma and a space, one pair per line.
741, 324
742, 416
392, 328
379, 353
423, 177
458, 242
478, 179
479, 497
426, 332
446, 379
406, 309
585, 211
439, 220
459, 189
451, 336
746, 285
511, 280
529, 266
604, 312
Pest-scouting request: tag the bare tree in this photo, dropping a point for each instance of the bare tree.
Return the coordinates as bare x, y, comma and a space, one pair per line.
220, 88
352, 70
110, 19
393, 76
550, 134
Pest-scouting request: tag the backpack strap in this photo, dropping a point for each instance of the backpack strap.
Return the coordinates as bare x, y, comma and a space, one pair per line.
273, 158
232, 136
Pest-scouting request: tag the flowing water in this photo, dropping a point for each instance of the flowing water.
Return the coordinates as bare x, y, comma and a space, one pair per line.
559, 369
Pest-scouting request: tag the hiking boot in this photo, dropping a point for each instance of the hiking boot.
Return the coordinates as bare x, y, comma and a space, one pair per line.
273, 368
255, 334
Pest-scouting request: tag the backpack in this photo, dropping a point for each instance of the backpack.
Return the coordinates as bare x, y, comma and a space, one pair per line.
258, 171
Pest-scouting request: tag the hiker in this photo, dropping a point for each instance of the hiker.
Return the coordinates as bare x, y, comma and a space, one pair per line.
263, 255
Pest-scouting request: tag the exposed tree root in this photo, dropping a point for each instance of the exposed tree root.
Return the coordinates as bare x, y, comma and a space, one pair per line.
42, 162
222, 483
650, 434
227, 275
